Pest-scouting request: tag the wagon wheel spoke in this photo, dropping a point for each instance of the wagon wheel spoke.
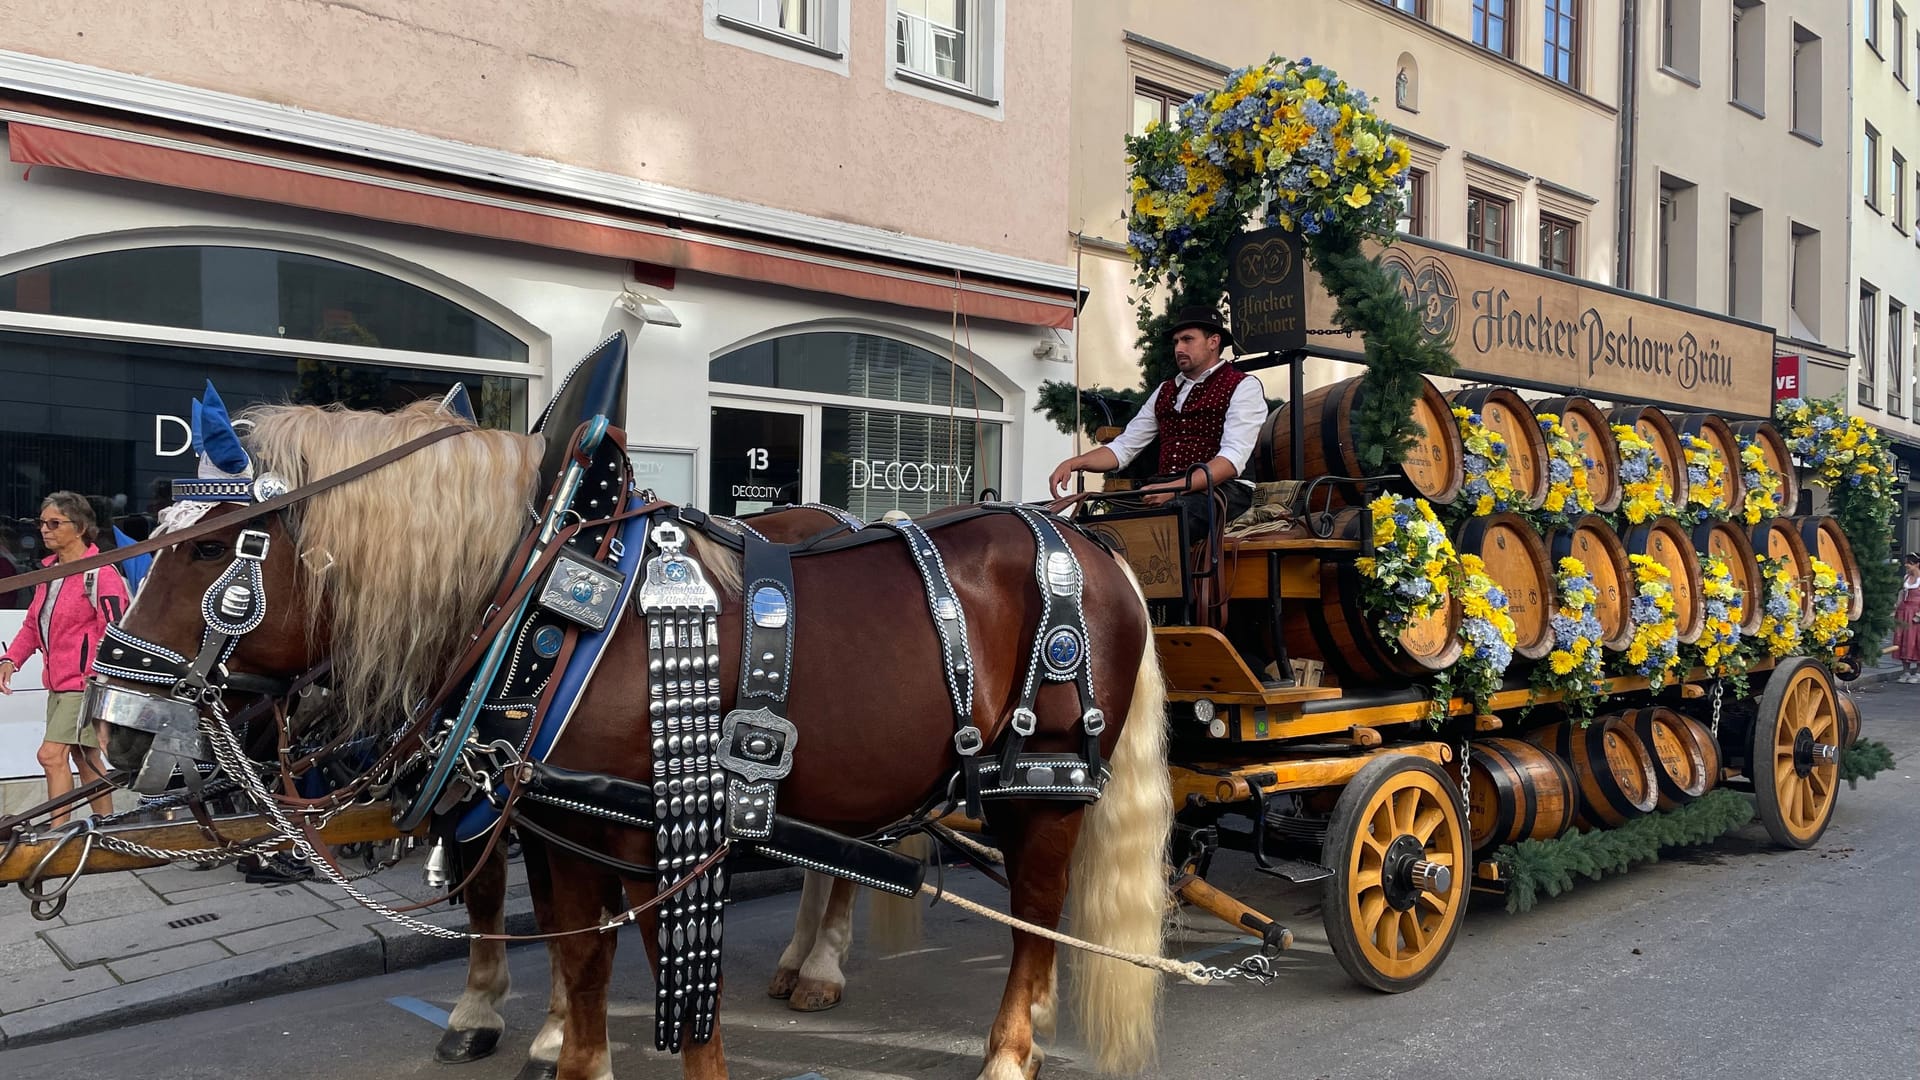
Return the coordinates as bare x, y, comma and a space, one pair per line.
1373, 905
1382, 828
1406, 807
1386, 934
1429, 819
1787, 788
1411, 930
1819, 785
1435, 902
1367, 879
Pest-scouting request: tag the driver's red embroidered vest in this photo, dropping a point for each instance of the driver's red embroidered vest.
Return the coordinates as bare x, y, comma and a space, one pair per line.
1191, 436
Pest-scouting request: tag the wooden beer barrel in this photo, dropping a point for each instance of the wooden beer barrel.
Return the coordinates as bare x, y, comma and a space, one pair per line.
1681, 771
1612, 768
1713, 430
1432, 469
1520, 792
1702, 739
1777, 538
1588, 427
1827, 543
1340, 631
1516, 558
1663, 541
1598, 547
1732, 543
1653, 426
1506, 414
1779, 458
1847, 707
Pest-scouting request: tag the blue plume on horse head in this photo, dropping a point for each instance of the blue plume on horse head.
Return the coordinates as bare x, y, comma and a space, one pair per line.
213, 435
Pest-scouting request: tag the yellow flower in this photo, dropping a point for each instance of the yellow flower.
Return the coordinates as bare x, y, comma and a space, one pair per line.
1358, 197
1561, 661
1637, 652
1316, 88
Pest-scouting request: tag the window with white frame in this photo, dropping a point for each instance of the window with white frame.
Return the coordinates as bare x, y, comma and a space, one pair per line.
801, 22
944, 42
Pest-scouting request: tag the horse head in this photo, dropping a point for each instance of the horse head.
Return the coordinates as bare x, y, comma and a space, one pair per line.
384, 575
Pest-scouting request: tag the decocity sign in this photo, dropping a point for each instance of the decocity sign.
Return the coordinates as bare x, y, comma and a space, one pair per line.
1512, 324
916, 476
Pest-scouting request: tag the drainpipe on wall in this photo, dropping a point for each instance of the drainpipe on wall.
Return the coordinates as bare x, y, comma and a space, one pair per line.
1629, 131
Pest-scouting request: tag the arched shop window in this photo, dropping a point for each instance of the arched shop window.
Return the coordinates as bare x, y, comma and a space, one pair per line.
869, 422
106, 414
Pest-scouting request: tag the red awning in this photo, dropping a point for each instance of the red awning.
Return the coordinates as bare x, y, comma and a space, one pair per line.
199, 162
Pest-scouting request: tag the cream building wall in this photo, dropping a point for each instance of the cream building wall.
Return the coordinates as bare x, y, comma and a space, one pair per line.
1886, 241
1742, 124
665, 92
1472, 118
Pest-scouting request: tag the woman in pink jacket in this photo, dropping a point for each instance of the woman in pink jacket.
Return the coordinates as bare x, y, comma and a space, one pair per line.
65, 623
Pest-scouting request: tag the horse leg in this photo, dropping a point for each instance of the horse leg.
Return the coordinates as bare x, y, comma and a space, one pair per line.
583, 965
821, 980
474, 1026
544, 1055
1042, 839
806, 928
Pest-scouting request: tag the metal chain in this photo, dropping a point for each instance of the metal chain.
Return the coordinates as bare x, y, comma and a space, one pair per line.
1257, 968
1719, 690
1466, 782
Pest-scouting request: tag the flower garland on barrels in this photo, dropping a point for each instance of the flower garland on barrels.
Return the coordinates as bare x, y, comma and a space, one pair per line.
1643, 485
1723, 601
1489, 478
1487, 636
1574, 667
1654, 651
1706, 482
1568, 493
1408, 576
1850, 459
1294, 142
1779, 610
1763, 484
1829, 630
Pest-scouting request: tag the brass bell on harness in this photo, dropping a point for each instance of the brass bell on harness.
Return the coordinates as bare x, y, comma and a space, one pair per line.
438, 872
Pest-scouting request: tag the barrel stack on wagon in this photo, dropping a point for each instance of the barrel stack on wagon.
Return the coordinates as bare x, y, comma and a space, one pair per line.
1343, 772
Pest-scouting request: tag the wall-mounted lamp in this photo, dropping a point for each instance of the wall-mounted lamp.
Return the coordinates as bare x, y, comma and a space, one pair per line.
646, 307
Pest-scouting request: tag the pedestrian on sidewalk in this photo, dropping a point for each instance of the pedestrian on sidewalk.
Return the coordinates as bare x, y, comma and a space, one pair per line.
65, 622
1906, 622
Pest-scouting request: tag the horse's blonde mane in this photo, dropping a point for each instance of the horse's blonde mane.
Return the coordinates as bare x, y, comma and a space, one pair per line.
400, 563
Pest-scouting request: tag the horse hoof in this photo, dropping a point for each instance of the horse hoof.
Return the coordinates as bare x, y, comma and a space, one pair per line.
784, 980
537, 1070
457, 1047
811, 996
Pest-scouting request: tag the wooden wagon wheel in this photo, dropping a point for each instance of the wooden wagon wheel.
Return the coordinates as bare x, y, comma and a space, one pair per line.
1795, 754
1399, 887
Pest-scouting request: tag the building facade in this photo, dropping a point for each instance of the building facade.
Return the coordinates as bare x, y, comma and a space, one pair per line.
1737, 158
832, 229
1885, 139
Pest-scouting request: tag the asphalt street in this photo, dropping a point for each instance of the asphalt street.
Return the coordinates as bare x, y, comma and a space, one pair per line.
1729, 961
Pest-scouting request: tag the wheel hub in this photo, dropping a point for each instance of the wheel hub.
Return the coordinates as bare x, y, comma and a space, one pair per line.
1406, 873
1809, 755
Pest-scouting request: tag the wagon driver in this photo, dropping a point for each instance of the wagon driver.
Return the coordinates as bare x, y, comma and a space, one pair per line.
1207, 415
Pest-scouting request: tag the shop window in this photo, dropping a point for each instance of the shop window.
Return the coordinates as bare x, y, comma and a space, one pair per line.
275, 294
110, 418
856, 365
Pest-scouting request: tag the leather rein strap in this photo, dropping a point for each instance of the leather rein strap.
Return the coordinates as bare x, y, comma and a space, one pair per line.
226, 521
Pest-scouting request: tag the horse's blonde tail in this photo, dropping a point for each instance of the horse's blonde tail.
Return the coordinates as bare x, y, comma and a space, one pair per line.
1117, 885
894, 921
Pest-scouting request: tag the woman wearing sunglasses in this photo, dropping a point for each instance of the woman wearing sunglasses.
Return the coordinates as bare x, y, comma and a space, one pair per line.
65, 622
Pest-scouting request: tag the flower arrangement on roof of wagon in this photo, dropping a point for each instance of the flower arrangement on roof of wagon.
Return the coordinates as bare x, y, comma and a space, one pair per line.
1722, 599
1568, 495
1410, 572
1292, 143
1644, 490
1842, 450
1706, 482
1763, 484
1487, 638
1574, 667
1829, 630
1654, 651
1848, 457
1489, 478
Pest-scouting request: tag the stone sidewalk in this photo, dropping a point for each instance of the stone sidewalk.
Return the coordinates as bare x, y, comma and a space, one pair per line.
146, 944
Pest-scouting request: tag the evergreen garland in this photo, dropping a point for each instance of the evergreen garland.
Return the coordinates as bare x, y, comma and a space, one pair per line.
1533, 867
1864, 760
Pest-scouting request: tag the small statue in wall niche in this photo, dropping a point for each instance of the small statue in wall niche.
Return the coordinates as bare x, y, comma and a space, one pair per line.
1403, 90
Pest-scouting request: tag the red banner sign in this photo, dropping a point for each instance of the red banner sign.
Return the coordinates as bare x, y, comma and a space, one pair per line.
1786, 377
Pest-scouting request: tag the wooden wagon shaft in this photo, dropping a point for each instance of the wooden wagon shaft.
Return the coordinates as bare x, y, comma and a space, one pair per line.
359, 824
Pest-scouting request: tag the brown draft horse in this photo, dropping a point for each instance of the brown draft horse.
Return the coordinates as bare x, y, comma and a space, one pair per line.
808, 976
388, 574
